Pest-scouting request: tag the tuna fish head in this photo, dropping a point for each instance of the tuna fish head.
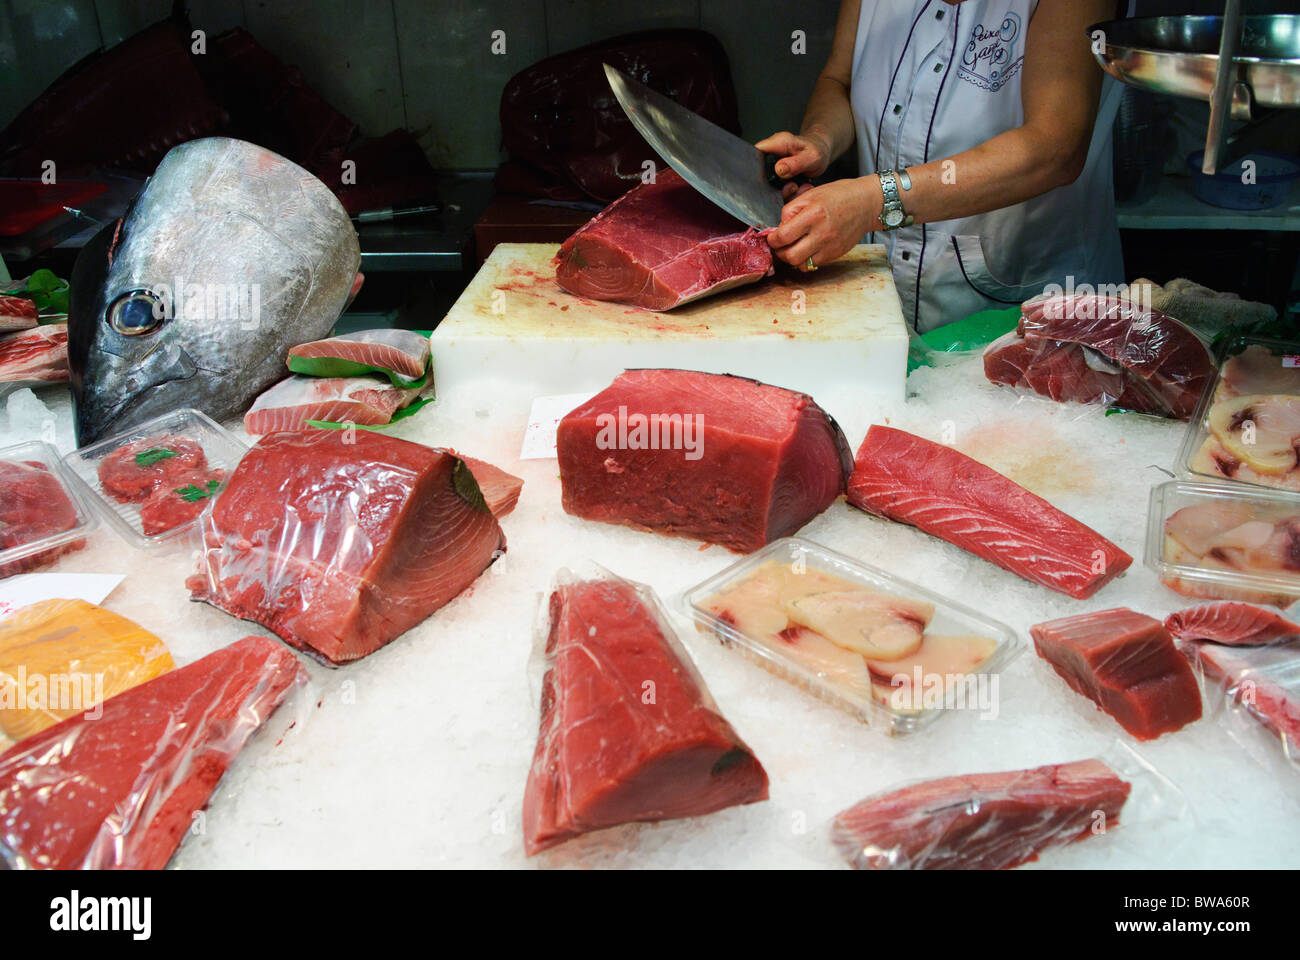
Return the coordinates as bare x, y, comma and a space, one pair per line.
229, 256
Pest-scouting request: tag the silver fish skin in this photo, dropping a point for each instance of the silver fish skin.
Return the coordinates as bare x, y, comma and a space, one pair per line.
242, 253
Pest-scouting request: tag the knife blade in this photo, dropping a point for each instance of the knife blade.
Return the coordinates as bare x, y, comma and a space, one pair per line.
731, 172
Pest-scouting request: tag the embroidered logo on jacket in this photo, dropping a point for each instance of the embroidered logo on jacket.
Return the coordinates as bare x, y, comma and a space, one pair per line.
989, 59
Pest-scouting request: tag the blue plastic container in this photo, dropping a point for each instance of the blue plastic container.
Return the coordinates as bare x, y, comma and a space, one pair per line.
1275, 174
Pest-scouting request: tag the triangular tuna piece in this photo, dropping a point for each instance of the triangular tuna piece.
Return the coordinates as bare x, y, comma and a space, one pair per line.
628, 730
120, 790
365, 401
500, 489
403, 353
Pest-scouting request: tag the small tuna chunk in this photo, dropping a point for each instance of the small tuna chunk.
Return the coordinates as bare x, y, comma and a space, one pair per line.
628, 730
365, 401
1127, 664
169, 507
982, 821
404, 352
715, 458
135, 470
1234, 624
500, 489
33, 506
339, 544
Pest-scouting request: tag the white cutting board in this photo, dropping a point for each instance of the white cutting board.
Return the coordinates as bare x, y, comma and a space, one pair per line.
836, 334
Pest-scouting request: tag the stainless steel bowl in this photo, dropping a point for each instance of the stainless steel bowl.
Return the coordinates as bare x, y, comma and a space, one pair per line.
1180, 56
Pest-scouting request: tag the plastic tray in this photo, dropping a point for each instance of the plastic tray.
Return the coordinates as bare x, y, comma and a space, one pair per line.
221, 448
949, 618
1209, 582
1285, 380
35, 451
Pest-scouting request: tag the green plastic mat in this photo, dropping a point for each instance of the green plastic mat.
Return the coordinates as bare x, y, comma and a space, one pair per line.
961, 336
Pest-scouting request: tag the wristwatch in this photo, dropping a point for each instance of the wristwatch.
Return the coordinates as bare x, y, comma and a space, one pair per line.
893, 216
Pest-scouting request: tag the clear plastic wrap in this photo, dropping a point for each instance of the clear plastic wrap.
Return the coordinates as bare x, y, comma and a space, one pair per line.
761, 606
1106, 350
1255, 695
996, 821
153, 482
628, 730
120, 790
42, 511
1127, 664
1225, 541
1246, 428
339, 541
59, 658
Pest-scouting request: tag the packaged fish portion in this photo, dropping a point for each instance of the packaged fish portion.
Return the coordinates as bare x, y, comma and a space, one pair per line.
299, 402
1247, 425
42, 514
60, 658
628, 730
401, 355
1232, 624
887, 651
1258, 690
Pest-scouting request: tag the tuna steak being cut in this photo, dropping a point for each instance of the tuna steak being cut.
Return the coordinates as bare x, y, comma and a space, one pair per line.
628, 731
340, 544
661, 245
291, 403
1092, 349
1233, 624
1264, 682
1126, 664
33, 505
17, 313
402, 354
36, 356
948, 495
120, 791
981, 821
717, 458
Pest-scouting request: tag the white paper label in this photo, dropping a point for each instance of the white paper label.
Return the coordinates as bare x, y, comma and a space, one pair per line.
29, 588
1291, 361
543, 420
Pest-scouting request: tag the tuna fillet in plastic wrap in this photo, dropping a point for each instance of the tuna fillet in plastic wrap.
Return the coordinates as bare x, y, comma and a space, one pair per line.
628, 730
717, 458
1260, 688
1092, 349
1233, 624
339, 542
33, 505
120, 791
1126, 663
982, 821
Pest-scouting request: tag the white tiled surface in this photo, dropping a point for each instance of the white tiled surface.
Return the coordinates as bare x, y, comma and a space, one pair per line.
428, 66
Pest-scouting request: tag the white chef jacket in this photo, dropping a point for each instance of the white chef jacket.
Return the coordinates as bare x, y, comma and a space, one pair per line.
931, 80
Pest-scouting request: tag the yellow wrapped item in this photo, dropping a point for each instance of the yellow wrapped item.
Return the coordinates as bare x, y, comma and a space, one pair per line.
59, 658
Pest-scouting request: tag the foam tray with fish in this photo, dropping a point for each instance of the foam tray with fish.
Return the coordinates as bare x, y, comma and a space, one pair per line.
852, 634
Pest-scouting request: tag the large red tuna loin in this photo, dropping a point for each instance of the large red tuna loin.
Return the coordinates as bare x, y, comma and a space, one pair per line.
38, 355
659, 246
1092, 349
341, 543
981, 821
1126, 663
33, 505
718, 458
903, 477
1234, 624
120, 790
606, 752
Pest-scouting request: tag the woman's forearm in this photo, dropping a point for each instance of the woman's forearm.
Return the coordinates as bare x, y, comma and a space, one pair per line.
829, 118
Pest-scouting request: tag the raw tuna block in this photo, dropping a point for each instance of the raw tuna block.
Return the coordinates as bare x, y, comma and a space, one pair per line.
1234, 624
1127, 664
38, 355
948, 495
33, 505
982, 821
120, 791
628, 730
289, 404
1092, 349
500, 489
77, 653
340, 544
716, 458
661, 245
402, 353
135, 470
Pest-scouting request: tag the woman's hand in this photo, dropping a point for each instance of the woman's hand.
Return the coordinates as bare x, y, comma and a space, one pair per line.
824, 223
807, 155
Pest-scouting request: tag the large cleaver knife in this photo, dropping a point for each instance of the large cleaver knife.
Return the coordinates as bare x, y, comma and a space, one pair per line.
734, 174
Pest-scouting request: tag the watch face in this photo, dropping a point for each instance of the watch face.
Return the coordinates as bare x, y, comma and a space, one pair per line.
893, 218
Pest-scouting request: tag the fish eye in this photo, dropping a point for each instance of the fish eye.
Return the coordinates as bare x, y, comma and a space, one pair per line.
137, 312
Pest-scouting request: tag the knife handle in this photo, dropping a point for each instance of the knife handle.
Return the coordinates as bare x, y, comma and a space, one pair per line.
774, 178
